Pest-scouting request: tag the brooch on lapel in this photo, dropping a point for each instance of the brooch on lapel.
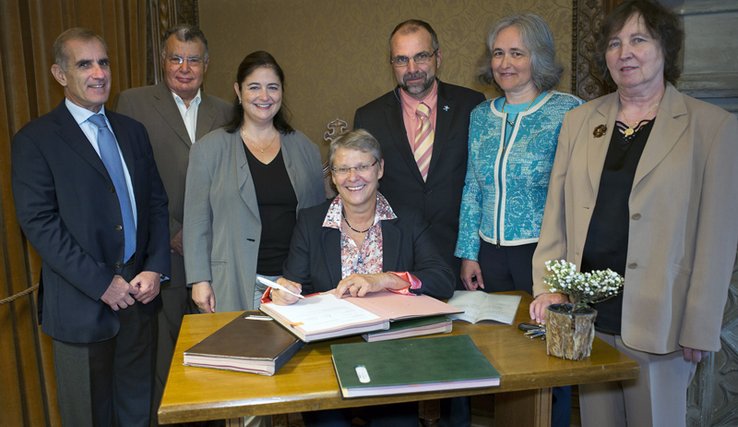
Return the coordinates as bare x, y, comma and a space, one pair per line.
599, 131
446, 108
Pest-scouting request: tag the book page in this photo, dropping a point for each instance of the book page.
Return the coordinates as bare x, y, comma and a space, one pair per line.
322, 312
479, 305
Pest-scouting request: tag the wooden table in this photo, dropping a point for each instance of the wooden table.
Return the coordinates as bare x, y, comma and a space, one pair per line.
307, 382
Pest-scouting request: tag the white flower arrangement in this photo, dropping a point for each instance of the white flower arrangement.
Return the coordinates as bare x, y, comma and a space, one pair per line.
582, 288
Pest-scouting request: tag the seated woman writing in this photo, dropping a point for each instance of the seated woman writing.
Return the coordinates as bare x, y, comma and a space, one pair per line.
357, 243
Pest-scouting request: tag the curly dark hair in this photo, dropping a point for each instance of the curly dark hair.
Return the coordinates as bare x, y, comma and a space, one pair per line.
662, 24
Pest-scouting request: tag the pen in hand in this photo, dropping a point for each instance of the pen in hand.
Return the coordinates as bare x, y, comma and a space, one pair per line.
274, 285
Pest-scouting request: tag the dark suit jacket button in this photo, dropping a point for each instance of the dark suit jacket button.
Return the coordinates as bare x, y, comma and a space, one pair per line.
636, 216
117, 266
118, 227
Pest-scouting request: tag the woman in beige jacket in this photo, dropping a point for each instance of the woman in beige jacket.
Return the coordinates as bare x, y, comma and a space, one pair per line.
644, 183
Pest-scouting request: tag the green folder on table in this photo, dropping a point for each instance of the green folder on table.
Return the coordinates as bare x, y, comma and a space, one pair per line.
411, 366
415, 327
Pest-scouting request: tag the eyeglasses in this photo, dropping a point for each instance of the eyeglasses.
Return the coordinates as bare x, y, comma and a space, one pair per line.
343, 171
419, 59
193, 61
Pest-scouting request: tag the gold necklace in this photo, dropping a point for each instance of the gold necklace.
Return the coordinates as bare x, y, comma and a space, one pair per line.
255, 145
630, 130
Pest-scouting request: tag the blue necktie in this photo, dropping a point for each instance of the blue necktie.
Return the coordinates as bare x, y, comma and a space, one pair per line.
113, 163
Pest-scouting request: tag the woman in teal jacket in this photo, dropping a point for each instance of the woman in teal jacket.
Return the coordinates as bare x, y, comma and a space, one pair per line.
512, 142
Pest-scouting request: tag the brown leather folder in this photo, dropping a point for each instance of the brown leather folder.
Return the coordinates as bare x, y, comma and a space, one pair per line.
249, 343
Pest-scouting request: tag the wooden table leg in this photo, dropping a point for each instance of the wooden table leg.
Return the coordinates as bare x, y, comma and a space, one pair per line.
281, 420
429, 412
523, 408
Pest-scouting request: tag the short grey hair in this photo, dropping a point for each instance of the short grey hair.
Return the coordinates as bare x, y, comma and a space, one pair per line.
357, 139
75, 33
538, 39
184, 33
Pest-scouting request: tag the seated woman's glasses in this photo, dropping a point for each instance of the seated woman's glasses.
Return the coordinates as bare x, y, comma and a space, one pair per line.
345, 170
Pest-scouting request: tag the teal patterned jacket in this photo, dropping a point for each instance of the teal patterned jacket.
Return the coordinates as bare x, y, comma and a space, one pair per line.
505, 187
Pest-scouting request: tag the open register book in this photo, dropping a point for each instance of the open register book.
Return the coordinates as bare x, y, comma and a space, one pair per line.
479, 305
323, 316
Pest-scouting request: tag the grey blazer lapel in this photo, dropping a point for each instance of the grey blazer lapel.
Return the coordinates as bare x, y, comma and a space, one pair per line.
671, 122
167, 108
205, 117
243, 175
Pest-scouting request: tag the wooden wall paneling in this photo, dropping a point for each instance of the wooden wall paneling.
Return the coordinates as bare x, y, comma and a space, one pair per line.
588, 15
164, 14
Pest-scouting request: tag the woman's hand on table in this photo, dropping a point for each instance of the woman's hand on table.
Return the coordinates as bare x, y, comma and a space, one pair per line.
358, 285
540, 304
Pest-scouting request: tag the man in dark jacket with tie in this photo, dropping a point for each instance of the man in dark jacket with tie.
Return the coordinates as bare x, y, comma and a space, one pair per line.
89, 199
422, 126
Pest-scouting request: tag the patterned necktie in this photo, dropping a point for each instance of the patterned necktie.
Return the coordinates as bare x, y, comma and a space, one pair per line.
423, 144
113, 163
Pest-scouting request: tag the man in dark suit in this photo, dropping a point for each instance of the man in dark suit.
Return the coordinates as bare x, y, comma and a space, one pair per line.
425, 164
175, 113
89, 199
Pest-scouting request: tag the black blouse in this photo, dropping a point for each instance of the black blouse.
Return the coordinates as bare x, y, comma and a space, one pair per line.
607, 238
277, 209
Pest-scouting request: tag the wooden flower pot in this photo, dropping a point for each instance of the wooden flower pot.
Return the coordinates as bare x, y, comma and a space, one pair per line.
570, 335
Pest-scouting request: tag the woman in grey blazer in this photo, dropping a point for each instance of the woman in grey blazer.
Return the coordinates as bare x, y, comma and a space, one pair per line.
245, 184
644, 183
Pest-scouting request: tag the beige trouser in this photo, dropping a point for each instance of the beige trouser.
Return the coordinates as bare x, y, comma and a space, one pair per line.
658, 397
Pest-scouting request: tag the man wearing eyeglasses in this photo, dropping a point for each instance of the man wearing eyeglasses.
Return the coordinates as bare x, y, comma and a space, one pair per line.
422, 126
175, 113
